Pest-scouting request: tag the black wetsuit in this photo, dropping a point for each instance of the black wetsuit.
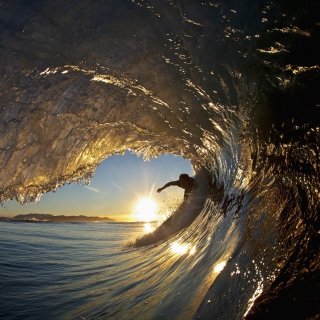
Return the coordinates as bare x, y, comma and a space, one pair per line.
188, 186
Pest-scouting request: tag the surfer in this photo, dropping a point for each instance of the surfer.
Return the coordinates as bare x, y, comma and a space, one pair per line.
185, 182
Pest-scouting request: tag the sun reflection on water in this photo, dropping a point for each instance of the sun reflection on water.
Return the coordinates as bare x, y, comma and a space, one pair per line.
181, 249
219, 267
192, 250
148, 228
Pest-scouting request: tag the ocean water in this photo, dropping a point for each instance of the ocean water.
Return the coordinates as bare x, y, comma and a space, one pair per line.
233, 87
65, 270
91, 271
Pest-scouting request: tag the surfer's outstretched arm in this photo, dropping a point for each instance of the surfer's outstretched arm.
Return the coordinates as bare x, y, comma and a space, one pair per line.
171, 183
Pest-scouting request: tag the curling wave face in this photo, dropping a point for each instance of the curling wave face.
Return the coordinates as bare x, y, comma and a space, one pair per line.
94, 92
229, 87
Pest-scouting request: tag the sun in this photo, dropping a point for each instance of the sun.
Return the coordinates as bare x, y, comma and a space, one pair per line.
145, 210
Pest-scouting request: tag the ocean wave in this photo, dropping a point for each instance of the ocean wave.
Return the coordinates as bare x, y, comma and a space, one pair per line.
232, 88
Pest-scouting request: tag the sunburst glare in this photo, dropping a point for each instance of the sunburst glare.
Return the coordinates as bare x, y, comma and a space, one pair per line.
145, 210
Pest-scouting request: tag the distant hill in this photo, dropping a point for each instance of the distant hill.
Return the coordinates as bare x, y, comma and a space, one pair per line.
5, 219
42, 217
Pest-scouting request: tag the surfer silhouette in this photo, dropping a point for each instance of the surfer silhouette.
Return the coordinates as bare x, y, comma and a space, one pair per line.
185, 182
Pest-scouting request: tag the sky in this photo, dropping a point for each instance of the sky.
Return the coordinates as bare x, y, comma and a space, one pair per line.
115, 190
